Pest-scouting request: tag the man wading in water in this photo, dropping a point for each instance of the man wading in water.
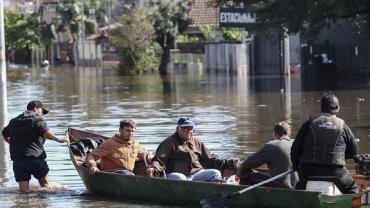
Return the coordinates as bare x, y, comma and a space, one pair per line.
26, 135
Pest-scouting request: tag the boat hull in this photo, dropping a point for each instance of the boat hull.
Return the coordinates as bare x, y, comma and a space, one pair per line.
167, 191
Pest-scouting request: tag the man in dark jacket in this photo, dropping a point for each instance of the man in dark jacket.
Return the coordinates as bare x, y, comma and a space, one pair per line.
26, 137
321, 147
276, 154
182, 156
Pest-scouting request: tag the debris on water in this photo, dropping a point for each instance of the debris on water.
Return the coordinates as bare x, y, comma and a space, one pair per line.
232, 180
360, 99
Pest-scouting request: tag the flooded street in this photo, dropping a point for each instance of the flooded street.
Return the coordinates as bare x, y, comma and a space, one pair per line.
235, 114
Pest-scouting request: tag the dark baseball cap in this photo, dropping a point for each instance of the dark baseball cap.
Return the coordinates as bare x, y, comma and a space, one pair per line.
329, 102
37, 104
185, 121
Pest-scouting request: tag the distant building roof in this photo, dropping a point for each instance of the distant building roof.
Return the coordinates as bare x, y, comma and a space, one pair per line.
203, 14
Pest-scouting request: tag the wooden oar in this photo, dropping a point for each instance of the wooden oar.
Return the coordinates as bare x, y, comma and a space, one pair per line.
223, 200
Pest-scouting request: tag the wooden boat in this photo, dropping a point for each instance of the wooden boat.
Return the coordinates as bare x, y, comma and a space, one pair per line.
189, 193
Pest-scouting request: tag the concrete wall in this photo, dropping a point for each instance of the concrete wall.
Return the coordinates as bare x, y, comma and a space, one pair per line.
226, 57
267, 54
295, 49
347, 51
89, 53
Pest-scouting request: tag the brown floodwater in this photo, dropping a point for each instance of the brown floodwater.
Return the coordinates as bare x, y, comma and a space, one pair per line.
236, 114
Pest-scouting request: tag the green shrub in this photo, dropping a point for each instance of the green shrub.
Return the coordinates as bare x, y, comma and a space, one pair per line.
134, 41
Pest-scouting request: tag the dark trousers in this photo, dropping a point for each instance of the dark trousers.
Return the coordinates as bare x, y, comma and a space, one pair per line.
340, 176
252, 177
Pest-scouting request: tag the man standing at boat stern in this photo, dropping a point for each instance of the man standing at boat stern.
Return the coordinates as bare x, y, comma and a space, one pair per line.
182, 156
117, 154
321, 147
26, 137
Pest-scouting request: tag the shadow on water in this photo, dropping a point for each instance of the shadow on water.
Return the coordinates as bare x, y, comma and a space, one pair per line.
58, 196
116, 201
4, 158
331, 79
36, 197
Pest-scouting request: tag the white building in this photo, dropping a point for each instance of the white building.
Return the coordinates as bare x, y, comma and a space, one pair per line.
26, 7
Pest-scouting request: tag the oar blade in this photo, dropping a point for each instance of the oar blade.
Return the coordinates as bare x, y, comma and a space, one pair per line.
219, 200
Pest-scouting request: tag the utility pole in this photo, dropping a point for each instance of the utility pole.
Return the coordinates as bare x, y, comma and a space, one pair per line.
3, 96
286, 52
82, 33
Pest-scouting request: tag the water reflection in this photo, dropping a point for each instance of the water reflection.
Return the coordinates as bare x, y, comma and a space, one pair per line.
330, 79
236, 114
4, 156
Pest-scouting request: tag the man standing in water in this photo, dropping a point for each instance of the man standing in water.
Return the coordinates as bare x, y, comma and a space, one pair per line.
26, 137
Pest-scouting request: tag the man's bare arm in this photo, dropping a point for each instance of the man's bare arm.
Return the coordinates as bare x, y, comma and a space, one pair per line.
51, 136
90, 162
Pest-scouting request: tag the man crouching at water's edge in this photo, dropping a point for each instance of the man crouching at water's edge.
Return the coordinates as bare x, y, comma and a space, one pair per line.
182, 156
26, 137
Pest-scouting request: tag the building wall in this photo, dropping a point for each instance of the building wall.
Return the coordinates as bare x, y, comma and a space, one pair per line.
26, 7
266, 52
295, 49
338, 49
226, 57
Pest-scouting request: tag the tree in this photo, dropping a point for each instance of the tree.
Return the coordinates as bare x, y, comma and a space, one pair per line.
307, 16
169, 18
134, 41
20, 32
67, 21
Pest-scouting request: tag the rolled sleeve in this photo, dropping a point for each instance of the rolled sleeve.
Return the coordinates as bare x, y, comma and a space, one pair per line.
5, 132
41, 126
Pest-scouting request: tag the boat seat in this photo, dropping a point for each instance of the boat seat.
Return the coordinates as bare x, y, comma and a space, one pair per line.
324, 187
86, 145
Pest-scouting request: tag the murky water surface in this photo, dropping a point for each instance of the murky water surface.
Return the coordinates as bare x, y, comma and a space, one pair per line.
235, 115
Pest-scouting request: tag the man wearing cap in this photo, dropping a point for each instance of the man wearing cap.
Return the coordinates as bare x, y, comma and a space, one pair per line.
26, 137
181, 156
321, 147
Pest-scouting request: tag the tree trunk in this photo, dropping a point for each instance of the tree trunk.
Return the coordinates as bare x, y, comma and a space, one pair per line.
165, 59
169, 44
